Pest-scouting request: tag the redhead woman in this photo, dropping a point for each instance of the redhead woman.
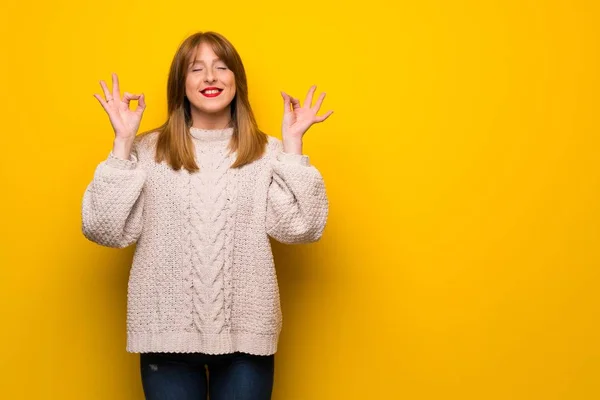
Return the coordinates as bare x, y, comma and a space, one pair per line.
200, 196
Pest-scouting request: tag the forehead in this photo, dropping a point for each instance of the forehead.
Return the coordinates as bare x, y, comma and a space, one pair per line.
204, 52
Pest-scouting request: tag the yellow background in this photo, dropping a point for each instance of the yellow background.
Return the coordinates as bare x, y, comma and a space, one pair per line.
461, 257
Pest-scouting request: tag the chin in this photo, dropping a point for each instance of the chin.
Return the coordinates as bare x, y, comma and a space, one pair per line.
210, 109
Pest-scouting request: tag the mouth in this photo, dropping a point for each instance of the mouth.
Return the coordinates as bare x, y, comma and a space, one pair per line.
211, 92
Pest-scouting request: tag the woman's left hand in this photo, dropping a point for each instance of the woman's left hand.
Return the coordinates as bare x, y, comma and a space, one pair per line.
298, 118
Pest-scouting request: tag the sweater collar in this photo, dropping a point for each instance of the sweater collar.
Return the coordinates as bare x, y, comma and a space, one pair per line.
209, 135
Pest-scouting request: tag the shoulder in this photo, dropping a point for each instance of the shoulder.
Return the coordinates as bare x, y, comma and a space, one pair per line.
146, 139
274, 146
145, 143
275, 152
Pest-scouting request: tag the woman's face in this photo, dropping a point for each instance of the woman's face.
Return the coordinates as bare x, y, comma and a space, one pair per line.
210, 84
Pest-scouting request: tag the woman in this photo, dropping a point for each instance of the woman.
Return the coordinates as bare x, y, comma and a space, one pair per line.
200, 196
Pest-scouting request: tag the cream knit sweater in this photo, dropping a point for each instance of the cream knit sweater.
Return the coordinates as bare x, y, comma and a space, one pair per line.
203, 277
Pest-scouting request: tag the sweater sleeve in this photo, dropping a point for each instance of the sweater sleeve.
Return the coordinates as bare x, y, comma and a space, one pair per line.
297, 204
113, 202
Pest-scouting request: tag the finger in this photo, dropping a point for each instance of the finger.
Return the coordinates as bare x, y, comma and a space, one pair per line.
295, 103
101, 101
107, 94
286, 102
317, 105
127, 97
115, 80
324, 117
141, 104
309, 96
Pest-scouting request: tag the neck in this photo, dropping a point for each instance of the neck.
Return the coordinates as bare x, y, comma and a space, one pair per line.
211, 135
203, 120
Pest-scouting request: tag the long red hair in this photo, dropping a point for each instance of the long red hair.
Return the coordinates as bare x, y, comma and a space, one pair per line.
174, 144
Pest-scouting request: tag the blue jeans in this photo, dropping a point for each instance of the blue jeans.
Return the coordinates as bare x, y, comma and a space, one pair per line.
191, 376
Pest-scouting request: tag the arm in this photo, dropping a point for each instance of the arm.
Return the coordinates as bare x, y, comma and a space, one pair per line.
297, 205
113, 202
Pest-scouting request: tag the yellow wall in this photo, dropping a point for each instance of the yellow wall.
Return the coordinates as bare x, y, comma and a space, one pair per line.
461, 256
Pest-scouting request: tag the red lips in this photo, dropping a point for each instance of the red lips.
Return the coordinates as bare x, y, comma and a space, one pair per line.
212, 88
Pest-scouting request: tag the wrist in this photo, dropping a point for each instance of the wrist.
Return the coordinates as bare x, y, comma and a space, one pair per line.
292, 146
124, 138
122, 147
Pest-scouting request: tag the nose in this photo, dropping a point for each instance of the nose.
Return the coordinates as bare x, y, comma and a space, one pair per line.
209, 77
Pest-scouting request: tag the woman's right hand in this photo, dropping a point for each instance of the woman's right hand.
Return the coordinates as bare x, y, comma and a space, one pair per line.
125, 122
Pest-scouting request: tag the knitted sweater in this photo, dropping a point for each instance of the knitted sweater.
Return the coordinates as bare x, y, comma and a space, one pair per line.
203, 277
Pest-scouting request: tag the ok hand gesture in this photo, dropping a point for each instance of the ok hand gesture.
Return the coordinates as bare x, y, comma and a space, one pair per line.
299, 118
125, 122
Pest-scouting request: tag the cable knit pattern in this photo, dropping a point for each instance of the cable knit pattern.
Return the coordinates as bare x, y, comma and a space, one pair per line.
208, 269
203, 277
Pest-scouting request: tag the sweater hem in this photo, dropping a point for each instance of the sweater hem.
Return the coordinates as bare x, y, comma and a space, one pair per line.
194, 342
